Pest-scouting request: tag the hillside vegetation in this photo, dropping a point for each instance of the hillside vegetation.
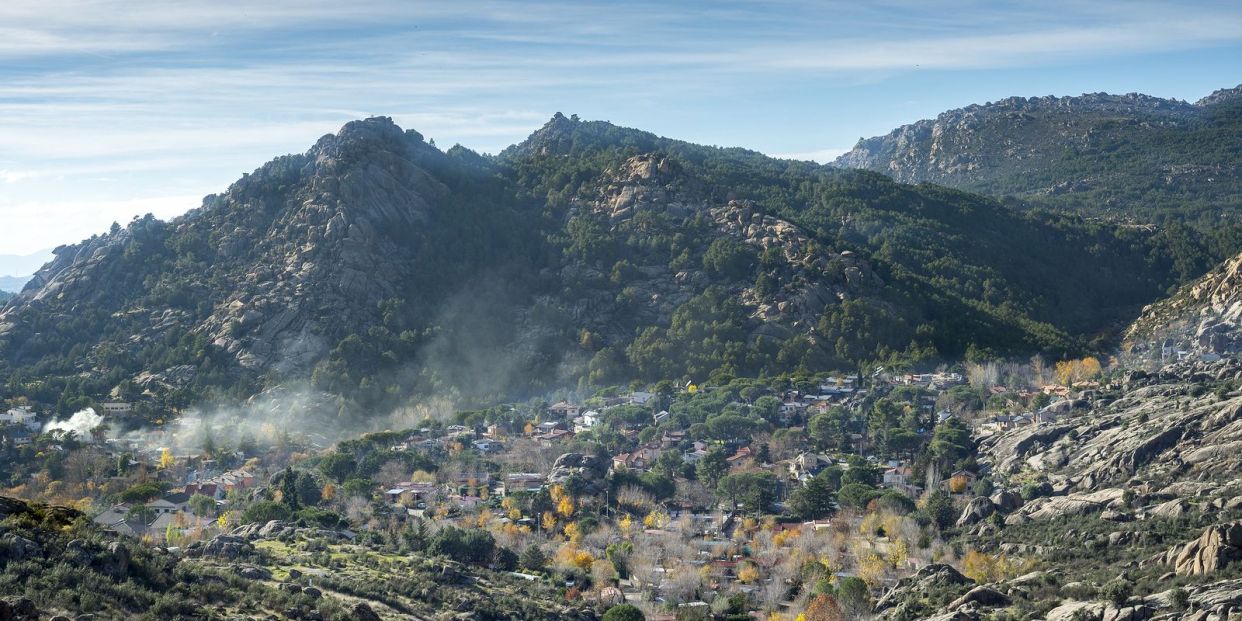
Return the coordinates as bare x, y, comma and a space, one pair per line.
377, 266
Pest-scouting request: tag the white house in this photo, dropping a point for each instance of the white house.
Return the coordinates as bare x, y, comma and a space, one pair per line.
585, 422
117, 408
21, 415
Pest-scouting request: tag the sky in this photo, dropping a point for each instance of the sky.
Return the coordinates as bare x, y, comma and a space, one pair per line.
111, 109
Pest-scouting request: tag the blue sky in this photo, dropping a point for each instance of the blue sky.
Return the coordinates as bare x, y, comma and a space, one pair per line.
110, 109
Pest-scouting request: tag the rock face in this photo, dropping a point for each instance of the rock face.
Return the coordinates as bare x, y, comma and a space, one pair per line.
588, 469
981, 596
227, 547
934, 577
1218, 546
1060, 147
1204, 318
976, 511
1165, 436
1055, 507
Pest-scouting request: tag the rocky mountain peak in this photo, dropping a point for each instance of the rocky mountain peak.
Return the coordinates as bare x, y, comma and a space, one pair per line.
1221, 96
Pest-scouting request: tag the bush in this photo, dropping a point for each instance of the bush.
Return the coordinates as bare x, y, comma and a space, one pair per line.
469, 546
939, 507
533, 558
624, 612
1117, 592
856, 495
1180, 598
265, 511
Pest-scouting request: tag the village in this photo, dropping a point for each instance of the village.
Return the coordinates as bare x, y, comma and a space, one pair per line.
668, 497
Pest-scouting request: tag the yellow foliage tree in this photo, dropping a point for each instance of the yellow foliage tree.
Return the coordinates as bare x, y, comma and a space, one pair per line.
565, 506
872, 569
1070, 371
166, 458
548, 521
747, 572
958, 484
329, 491
983, 567
625, 524
656, 519
898, 553
572, 532
512, 510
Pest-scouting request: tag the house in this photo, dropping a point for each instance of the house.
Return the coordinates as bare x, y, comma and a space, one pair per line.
219, 485
116, 408
554, 436
523, 482
162, 506
966, 476
790, 408
660, 416
638, 460
548, 427
589, 419
671, 438
740, 456
21, 415
411, 493
641, 398
818, 525
805, 466
487, 446
898, 476
699, 451
564, 409
465, 502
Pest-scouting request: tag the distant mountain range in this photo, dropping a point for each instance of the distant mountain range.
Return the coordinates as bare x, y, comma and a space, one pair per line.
376, 265
1139, 157
15, 270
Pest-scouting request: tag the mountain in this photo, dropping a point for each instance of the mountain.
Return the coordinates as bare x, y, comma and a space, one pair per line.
13, 284
377, 266
1139, 157
22, 264
16, 270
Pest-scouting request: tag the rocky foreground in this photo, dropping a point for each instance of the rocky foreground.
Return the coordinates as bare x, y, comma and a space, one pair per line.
55, 565
1129, 507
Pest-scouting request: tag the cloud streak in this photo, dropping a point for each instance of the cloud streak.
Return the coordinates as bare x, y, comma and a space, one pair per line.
109, 103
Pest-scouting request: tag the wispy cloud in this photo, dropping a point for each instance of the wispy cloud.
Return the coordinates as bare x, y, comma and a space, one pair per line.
107, 102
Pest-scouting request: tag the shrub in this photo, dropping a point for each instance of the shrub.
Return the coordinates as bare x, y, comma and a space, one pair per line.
265, 511
624, 612
1117, 592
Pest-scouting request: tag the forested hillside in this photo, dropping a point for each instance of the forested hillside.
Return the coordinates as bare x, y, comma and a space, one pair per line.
377, 266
